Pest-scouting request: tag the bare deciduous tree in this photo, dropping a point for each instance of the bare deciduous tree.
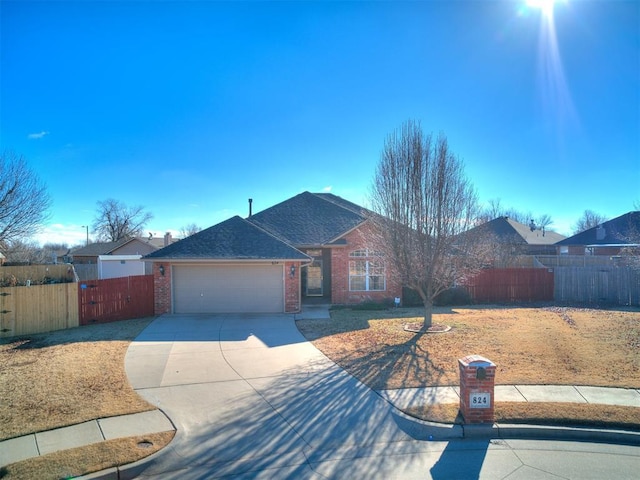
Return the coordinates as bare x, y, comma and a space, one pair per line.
189, 230
423, 202
25, 252
116, 221
24, 200
588, 220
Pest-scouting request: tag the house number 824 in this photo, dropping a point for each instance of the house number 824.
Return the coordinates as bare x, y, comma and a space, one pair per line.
480, 400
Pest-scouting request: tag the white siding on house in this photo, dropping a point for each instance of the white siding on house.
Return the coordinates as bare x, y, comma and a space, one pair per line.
114, 266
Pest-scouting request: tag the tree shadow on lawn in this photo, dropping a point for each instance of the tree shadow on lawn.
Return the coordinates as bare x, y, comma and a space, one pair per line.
382, 365
393, 366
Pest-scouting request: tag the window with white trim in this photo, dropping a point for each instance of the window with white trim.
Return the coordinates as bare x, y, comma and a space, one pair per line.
366, 271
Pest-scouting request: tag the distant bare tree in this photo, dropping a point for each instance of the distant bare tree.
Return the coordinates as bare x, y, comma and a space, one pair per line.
494, 209
422, 202
115, 220
189, 230
542, 222
24, 200
25, 252
588, 220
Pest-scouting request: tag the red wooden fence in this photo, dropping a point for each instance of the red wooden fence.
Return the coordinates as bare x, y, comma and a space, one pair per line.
113, 299
506, 285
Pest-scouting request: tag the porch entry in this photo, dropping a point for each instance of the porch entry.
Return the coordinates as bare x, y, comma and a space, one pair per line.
313, 281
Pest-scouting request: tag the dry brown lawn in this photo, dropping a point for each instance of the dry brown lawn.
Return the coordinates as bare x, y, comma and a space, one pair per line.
530, 346
66, 377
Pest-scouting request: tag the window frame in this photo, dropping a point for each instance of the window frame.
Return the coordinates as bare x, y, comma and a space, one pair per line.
366, 270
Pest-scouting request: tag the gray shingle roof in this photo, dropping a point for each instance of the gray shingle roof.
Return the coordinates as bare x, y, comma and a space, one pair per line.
622, 230
508, 231
310, 219
100, 248
233, 239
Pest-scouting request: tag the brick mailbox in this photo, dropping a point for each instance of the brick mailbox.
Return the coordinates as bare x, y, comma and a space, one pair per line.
477, 380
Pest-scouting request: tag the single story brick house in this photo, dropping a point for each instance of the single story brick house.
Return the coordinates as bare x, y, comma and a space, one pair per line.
311, 246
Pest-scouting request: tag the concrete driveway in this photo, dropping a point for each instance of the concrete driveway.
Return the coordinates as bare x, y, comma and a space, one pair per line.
252, 399
248, 393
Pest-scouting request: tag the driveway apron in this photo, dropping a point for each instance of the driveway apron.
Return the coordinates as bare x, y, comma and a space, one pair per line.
249, 396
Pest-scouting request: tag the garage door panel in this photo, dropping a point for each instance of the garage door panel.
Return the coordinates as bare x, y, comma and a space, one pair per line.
228, 289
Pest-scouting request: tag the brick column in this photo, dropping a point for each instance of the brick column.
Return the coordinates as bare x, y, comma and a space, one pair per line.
477, 381
162, 288
292, 287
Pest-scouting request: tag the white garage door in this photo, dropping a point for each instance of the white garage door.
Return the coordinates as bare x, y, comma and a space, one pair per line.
228, 289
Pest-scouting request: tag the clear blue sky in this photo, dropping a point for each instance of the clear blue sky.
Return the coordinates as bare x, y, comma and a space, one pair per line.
190, 108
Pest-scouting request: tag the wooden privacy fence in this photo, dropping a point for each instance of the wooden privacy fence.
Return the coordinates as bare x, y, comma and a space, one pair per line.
507, 285
114, 299
38, 308
598, 285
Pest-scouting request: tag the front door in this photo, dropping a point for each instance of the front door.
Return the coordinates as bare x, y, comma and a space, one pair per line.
314, 279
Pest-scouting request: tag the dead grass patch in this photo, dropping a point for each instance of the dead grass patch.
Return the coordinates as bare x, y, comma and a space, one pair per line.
66, 377
81, 461
530, 346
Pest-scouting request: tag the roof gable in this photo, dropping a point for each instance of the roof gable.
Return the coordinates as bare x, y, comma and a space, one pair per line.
508, 231
99, 248
622, 230
233, 239
107, 248
310, 219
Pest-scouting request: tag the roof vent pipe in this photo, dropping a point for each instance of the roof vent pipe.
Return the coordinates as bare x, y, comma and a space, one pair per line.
250, 202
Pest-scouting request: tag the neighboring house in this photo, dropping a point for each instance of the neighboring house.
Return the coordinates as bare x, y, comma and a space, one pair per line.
116, 259
125, 246
510, 238
610, 238
311, 246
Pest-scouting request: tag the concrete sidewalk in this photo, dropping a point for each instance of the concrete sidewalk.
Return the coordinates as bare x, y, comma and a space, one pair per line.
411, 397
82, 434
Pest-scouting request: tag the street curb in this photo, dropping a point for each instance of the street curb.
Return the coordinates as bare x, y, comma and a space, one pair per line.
545, 432
432, 431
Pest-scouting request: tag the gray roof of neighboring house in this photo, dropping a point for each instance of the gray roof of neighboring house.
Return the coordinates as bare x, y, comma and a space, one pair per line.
233, 239
622, 230
310, 219
508, 231
100, 248
105, 248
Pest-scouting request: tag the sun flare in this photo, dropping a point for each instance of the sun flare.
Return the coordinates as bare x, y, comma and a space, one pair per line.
546, 6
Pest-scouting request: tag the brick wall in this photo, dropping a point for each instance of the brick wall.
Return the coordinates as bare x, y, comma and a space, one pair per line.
340, 293
292, 288
162, 287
